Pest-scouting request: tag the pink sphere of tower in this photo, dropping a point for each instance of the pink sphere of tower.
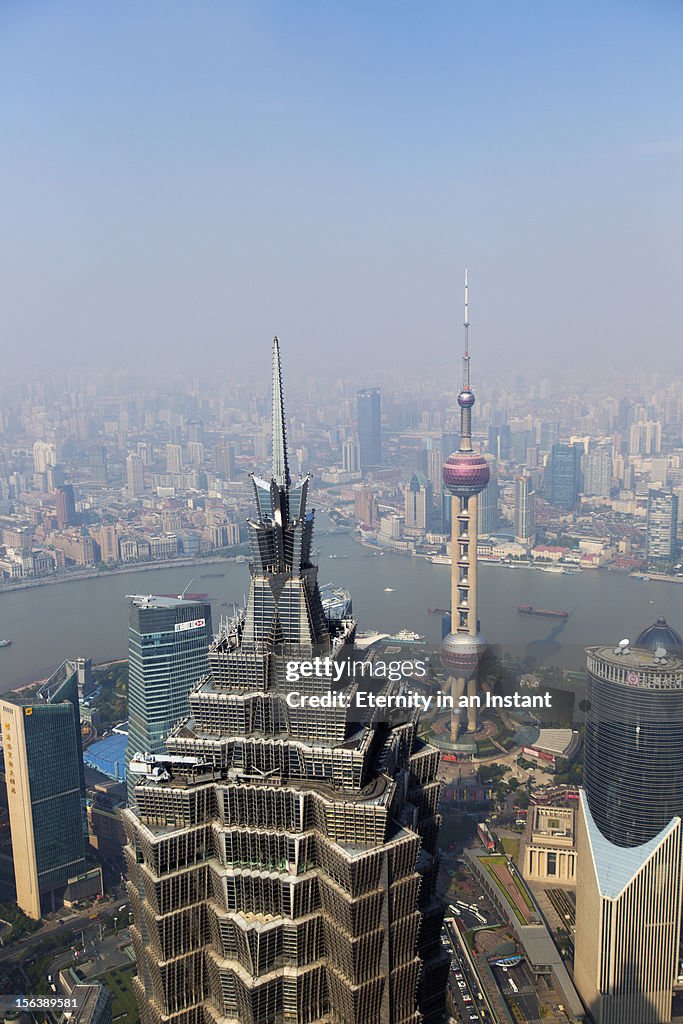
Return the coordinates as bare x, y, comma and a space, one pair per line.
465, 474
462, 653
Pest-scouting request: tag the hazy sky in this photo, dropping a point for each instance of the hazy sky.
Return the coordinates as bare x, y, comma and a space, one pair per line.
180, 180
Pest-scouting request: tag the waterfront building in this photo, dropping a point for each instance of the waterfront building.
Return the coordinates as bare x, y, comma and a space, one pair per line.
662, 528
365, 508
525, 503
418, 503
628, 903
168, 640
282, 861
369, 427
465, 475
564, 470
41, 738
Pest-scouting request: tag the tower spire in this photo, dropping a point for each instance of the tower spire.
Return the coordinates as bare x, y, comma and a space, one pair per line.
466, 396
280, 465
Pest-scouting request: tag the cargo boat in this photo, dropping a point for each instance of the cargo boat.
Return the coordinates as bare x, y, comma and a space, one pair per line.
439, 611
527, 609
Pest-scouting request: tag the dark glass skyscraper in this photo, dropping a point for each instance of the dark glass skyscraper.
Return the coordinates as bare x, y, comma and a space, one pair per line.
633, 768
282, 859
370, 427
41, 736
628, 892
564, 468
168, 640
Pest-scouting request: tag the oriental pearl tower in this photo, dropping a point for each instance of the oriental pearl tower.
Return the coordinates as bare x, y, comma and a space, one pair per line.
465, 475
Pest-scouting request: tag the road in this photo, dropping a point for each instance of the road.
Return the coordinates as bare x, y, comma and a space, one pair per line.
75, 922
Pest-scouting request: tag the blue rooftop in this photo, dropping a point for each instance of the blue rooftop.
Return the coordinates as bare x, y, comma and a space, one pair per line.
108, 756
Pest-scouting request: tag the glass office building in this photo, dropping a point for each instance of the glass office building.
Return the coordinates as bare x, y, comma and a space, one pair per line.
45, 789
168, 640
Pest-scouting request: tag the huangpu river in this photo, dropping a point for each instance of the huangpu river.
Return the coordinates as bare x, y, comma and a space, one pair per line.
390, 592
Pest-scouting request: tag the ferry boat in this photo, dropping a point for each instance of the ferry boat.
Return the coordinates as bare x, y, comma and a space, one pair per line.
440, 559
5, 643
527, 609
405, 636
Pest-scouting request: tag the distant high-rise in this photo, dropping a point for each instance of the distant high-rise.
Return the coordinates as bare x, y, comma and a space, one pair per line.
628, 899
645, 438
564, 470
135, 479
109, 544
282, 860
365, 506
350, 456
174, 458
418, 503
224, 460
662, 527
65, 506
168, 640
195, 453
487, 502
44, 455
41, 735
97, 462
499, 441
525, 507
370, 428
597, 469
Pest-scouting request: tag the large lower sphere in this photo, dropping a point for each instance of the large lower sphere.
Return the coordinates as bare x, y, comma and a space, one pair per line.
462, 653
465, 473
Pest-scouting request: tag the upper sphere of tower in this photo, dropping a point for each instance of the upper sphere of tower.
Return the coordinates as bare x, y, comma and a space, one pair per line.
465, 473
466, 399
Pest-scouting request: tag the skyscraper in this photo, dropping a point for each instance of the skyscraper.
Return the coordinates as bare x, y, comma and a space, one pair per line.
487, 503
65, 506
350, 456
41, 737
135, 480
465, 474
563, 466
296, 880
596, 468
174, 458
628, 902
224, 460
369, 428
418, 503
525, 520
662, 527
168, 640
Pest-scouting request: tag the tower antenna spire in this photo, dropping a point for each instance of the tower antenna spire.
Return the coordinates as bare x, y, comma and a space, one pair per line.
466, 357
280, 464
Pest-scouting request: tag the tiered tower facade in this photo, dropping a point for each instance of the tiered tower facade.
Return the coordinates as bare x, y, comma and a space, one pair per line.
282, 863
465, 474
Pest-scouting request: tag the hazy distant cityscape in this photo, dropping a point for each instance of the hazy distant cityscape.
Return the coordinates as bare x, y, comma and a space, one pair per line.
96, 472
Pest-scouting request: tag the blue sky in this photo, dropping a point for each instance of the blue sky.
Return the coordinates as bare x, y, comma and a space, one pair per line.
182, 180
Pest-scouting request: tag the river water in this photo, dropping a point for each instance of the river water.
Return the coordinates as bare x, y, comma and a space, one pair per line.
89, 617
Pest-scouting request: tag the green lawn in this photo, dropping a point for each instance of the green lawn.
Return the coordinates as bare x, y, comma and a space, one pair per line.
120, 984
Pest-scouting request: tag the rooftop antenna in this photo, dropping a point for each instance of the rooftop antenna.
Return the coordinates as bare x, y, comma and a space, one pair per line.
181, 597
